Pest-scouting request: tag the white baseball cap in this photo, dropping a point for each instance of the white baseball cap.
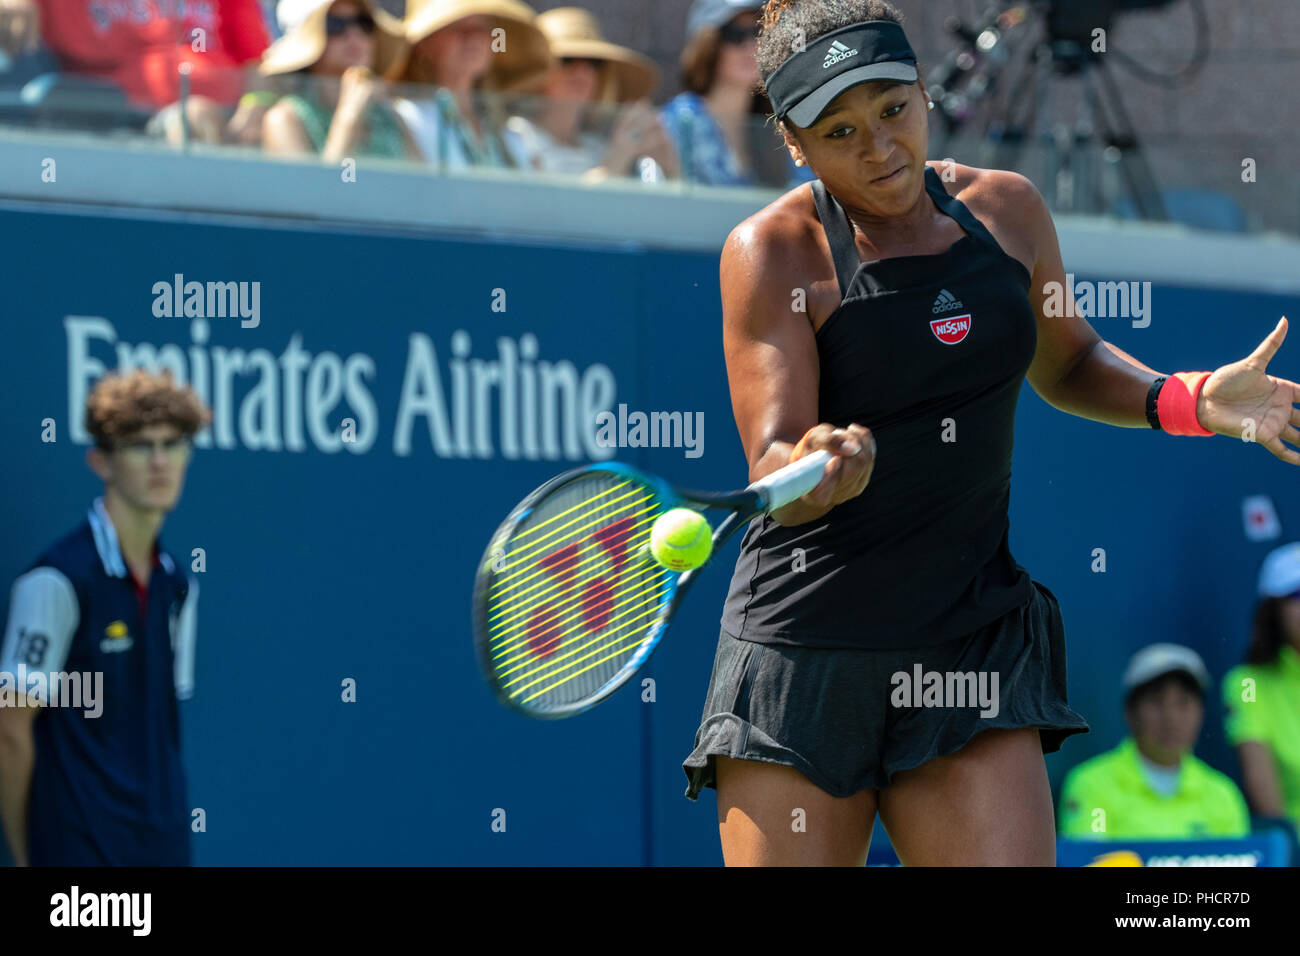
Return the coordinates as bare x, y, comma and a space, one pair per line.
1279, 575
1157, 660
716, 13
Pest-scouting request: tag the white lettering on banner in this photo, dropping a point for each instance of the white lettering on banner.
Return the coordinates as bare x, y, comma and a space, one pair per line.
547, 409
512, 406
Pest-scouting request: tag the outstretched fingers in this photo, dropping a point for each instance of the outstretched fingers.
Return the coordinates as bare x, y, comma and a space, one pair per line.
1266, 349
1282, 451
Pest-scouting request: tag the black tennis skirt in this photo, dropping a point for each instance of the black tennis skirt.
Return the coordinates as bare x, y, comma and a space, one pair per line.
849, 719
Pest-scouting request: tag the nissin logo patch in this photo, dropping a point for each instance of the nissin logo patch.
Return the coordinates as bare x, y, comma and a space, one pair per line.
952, 330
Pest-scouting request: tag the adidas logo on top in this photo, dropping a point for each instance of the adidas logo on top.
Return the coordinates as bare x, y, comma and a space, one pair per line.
946, 302
838, 53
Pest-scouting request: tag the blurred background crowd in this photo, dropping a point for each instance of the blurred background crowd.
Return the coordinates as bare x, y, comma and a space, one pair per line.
1152, 786
455, 83
495, 83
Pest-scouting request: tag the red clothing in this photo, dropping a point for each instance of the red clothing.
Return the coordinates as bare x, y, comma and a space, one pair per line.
138, 44
142, 590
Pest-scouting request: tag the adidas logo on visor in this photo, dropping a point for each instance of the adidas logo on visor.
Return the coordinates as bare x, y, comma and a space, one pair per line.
838, 53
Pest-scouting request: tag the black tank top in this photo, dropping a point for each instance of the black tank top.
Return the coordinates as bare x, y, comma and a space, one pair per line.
929, 352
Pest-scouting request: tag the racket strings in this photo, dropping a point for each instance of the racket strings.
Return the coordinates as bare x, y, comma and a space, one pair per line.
609, 527
544, 576
577, 593
628, 595
590, 602
616, 645
566, 574
583, 509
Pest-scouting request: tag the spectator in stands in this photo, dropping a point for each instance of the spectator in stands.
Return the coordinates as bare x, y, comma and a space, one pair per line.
20, 26
461, 48
1262, 696
588, 77
139, 47
1152, 786
22, 55
718, 122
339, 108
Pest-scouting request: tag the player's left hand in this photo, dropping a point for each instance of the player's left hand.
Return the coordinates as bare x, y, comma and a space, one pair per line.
1242, 398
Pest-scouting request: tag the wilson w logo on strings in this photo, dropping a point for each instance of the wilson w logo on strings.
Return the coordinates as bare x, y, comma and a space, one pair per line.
575, 591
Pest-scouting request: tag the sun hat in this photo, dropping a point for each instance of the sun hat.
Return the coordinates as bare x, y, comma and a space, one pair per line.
575, 32
302, 23
526, 52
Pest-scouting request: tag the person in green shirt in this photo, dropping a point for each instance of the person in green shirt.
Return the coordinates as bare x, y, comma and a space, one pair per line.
339, 107
1261, 697
1152, 787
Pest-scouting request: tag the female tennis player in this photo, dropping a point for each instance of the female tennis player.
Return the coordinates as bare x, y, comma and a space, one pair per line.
924, 287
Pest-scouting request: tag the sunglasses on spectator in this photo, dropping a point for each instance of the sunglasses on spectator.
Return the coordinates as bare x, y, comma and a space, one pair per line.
738, 35
337, 26
589, 61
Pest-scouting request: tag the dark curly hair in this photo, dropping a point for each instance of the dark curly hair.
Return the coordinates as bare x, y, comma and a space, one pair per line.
121, 405
789, 23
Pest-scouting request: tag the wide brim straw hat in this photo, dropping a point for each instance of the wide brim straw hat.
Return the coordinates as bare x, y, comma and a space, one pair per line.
304, 39
574, 32
526, 54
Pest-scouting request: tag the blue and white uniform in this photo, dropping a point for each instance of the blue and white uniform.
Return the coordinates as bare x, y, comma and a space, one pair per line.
108, 788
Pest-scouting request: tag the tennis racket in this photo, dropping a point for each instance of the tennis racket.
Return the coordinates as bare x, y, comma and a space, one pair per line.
569, 602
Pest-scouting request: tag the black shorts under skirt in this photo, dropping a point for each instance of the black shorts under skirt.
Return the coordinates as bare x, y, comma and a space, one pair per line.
848, 721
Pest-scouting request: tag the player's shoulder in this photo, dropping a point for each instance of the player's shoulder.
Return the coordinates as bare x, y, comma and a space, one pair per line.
975, 186
1006, 202
777, 238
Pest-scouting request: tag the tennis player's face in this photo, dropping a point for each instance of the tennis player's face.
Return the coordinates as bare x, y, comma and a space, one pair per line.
870, 147
147, 469
1166, 720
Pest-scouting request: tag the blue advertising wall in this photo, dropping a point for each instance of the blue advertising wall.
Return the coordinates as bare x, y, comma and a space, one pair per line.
328, 560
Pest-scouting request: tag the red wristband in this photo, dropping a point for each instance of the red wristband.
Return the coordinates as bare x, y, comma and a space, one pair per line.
1176, 406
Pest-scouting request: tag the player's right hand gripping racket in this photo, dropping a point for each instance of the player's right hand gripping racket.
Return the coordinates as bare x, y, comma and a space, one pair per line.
569, 602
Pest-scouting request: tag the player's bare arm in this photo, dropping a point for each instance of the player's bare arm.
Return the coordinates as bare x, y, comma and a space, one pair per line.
1076, 371
771, 356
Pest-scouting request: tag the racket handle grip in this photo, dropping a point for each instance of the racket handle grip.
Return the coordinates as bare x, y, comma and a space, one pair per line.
793, 481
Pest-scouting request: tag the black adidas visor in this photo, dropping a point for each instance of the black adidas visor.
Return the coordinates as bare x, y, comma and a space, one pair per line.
803, 87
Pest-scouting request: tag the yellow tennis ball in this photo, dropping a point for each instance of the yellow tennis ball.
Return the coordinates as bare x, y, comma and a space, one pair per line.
681, 539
